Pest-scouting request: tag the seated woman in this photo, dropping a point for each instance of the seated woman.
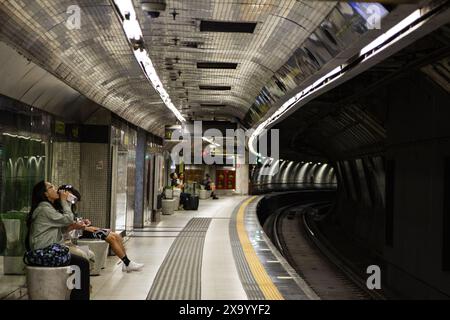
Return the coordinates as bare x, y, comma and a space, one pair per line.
46, 226
114, 239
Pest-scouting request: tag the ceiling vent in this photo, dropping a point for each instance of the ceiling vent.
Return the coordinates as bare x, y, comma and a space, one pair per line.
226, 26
216, 65
212, 105
153, 8
215, 88
191, 44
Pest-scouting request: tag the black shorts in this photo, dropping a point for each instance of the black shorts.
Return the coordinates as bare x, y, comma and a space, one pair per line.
100, 234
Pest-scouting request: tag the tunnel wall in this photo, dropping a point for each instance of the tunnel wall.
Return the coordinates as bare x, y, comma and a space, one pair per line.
270, 203
397, 204
280, 175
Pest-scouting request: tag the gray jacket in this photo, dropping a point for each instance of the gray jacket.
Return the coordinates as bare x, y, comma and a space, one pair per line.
48, 225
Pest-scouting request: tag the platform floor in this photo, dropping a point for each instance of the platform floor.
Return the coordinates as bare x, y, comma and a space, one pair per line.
219, 278
218, 252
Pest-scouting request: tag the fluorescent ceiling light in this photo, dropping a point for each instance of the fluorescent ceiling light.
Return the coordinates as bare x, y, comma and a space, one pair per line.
391, 32
133, 31
210, 142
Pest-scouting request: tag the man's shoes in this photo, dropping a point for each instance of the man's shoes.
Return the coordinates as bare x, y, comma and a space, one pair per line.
215, 198
133, 266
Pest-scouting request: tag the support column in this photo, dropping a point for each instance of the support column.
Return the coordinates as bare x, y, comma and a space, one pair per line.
140, 174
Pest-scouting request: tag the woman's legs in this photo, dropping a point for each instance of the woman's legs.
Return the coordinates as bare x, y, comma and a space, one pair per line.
84, 292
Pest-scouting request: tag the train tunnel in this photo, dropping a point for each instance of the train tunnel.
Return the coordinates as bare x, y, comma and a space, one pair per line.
227, 150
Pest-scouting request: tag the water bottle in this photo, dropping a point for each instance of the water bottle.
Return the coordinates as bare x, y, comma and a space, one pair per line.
79, 232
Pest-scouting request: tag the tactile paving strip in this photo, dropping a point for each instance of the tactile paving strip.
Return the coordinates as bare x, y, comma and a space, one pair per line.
248, 281
179, 277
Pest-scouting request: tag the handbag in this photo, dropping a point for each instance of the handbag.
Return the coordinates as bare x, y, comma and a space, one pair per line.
55, 255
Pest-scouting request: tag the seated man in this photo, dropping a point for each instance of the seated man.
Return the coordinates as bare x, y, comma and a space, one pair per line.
90, 232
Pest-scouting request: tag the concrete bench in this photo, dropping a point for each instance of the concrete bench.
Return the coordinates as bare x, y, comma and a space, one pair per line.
46, 283
168, 206
100, 249
204, 194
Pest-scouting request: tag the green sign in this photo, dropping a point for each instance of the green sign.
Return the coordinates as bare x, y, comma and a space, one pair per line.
60, 127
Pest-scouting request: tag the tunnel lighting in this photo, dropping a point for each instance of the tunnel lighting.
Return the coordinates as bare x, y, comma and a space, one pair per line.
284, 277
133, 30
388, 38
391, 32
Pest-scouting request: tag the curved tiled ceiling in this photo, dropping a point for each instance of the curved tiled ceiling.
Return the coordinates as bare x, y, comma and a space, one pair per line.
98, 62
354, 118
176, 45
95, 60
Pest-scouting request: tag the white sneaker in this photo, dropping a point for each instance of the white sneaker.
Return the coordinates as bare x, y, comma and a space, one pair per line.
133, 266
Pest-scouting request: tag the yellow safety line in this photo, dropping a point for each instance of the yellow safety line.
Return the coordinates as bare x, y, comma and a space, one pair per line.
266, 285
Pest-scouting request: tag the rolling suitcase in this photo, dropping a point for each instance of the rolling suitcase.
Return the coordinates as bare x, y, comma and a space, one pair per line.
191, 203
184, 198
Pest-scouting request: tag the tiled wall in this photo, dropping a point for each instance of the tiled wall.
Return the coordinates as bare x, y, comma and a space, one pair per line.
66, 164
95, 188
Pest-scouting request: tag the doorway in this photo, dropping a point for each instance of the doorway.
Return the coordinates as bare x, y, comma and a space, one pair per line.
119, 189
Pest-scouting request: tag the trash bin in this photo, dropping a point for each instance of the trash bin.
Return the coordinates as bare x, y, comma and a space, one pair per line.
204, 194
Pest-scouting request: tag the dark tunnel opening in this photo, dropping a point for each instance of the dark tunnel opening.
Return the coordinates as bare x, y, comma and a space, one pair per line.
386, 139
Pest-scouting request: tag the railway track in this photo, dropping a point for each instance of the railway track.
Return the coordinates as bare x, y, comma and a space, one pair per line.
289, 230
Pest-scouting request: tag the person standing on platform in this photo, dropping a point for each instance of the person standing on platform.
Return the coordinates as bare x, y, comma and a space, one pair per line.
207, 182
